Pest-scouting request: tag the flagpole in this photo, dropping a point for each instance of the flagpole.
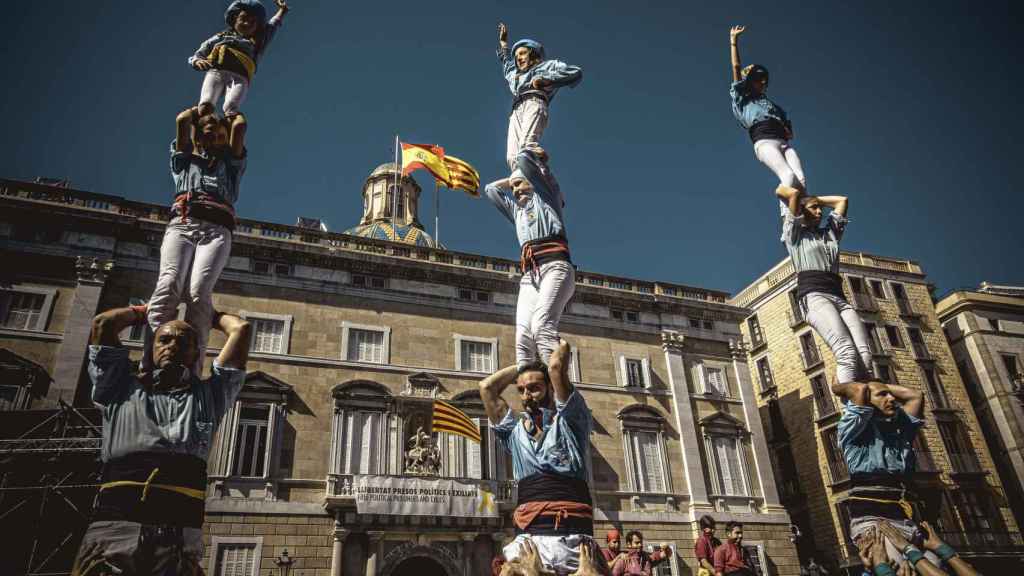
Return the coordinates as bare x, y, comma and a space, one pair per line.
437, 215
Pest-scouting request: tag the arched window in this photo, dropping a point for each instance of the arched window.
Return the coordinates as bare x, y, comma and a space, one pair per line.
364, 434
725, 440
643, 437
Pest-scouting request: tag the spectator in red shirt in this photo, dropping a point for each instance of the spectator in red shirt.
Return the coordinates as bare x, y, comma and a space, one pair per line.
704, 550
613, 553
637, 561
730, 558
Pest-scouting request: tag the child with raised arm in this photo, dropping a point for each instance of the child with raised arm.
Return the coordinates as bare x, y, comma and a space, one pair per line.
229, 57
207, 163
533, 81
814, 250
765, 121
531, 199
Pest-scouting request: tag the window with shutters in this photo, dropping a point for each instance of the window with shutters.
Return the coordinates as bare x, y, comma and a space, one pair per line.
460, 456
885, 372
764, 372
367, 434
809, 350
249, 440
360, 343
713, 381
476, 354
361, 450
236, 556
633, 372
26, 308
644, 445
270, 332
892, 334
729, 465
575, 369
252, 445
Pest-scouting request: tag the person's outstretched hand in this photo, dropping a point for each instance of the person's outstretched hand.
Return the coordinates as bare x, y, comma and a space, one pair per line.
893, 535
529, 556
502, 33
736, 31
932, 541
201, 64
587, 565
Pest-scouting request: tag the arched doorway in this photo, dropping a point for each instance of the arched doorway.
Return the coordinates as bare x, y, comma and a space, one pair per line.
419, 566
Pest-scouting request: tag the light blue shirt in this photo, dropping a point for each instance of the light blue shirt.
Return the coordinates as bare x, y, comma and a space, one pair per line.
813, 248
193, 175
234, 40
749, 109
134, 420
874, 445
562, 449
541, 215
558, 73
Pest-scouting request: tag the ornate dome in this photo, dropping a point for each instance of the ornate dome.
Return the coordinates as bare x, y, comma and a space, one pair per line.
379, 196
413, 235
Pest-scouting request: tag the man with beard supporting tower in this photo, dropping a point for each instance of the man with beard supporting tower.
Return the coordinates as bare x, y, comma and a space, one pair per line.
549, 442
157, 430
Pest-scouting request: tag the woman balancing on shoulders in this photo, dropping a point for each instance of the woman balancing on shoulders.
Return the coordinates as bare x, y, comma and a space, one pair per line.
765, 121
814, 249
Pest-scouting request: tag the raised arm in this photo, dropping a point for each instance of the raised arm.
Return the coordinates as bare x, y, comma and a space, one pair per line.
502, 37
946, 552
107, 326
184, 123
199, 59
236, 350
282, 9
838, 204
491, 389
558, 370
856, 392
912, 400
236, 139
734, 50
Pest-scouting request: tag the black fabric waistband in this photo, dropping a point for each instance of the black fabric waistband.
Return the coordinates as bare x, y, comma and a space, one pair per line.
531, 95
209, 211
770, 129
153, 506
542, 487
819, 281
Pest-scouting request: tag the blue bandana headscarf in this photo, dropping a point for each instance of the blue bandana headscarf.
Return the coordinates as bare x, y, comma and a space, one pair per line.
254, 6
533, 45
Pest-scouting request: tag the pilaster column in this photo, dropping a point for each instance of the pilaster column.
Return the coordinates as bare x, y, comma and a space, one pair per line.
468, 539
92, 276
337, 551
673, 343
373, 538
751, 413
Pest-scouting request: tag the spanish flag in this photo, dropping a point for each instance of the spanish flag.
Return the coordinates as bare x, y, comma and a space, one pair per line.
426, 156
448, 418
462, 176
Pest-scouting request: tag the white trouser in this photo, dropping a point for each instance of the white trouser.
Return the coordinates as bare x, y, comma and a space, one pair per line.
841, 328
231, 85
781, 159
560, 554
861, 525
195, 251
525, 127
543, 294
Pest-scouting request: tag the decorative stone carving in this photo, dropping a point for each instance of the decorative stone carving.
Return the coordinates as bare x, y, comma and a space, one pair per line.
422, 385
672, 341
91, 270
422, 457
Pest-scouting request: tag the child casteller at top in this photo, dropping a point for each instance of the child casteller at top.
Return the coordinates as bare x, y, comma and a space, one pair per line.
229, 57
533, 81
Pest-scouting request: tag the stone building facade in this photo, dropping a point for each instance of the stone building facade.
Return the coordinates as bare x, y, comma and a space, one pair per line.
794, 368
985, 329
346, 328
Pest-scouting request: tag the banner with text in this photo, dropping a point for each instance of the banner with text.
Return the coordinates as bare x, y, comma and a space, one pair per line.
408, 496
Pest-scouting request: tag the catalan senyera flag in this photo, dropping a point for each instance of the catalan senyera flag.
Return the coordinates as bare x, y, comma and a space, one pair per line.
448, 418
462, 176
426, 156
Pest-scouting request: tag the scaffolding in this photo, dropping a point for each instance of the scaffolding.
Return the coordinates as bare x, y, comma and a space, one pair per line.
49, 476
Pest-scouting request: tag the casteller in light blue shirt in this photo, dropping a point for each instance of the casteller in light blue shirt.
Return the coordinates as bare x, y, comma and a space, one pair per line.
749, 108
561, 449
196, 174
873, 444
814, 248
137, 420
540, 217
558, 73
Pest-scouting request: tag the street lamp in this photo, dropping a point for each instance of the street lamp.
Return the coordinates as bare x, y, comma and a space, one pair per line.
284, 563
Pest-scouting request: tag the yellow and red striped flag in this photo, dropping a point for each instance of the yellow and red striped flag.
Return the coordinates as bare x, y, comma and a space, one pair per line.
462, 176
426, 156
448, 418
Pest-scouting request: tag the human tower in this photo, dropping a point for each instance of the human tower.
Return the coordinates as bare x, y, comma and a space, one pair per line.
158, 423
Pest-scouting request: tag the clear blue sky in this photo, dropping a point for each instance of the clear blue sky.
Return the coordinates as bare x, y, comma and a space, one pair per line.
906, 107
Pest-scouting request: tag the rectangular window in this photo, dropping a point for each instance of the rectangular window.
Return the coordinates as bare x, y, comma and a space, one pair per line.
694, 322
362, 439
795, 312
1010, 363
837, 469
729, 463
12, 397
917, 343
877, 289
366, 281
646, 459
575, 369
856, 285
822, 396
631, 316
236, 560
366, 345
756, 336
994, 323
476, 357
898, 291
709, 325
885, 373
936, 391
714, 381
874, 342
251, 441
809, 349
268, 336
22, 309
634, 372
961, 454
764, 370
460, 456
892, 333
